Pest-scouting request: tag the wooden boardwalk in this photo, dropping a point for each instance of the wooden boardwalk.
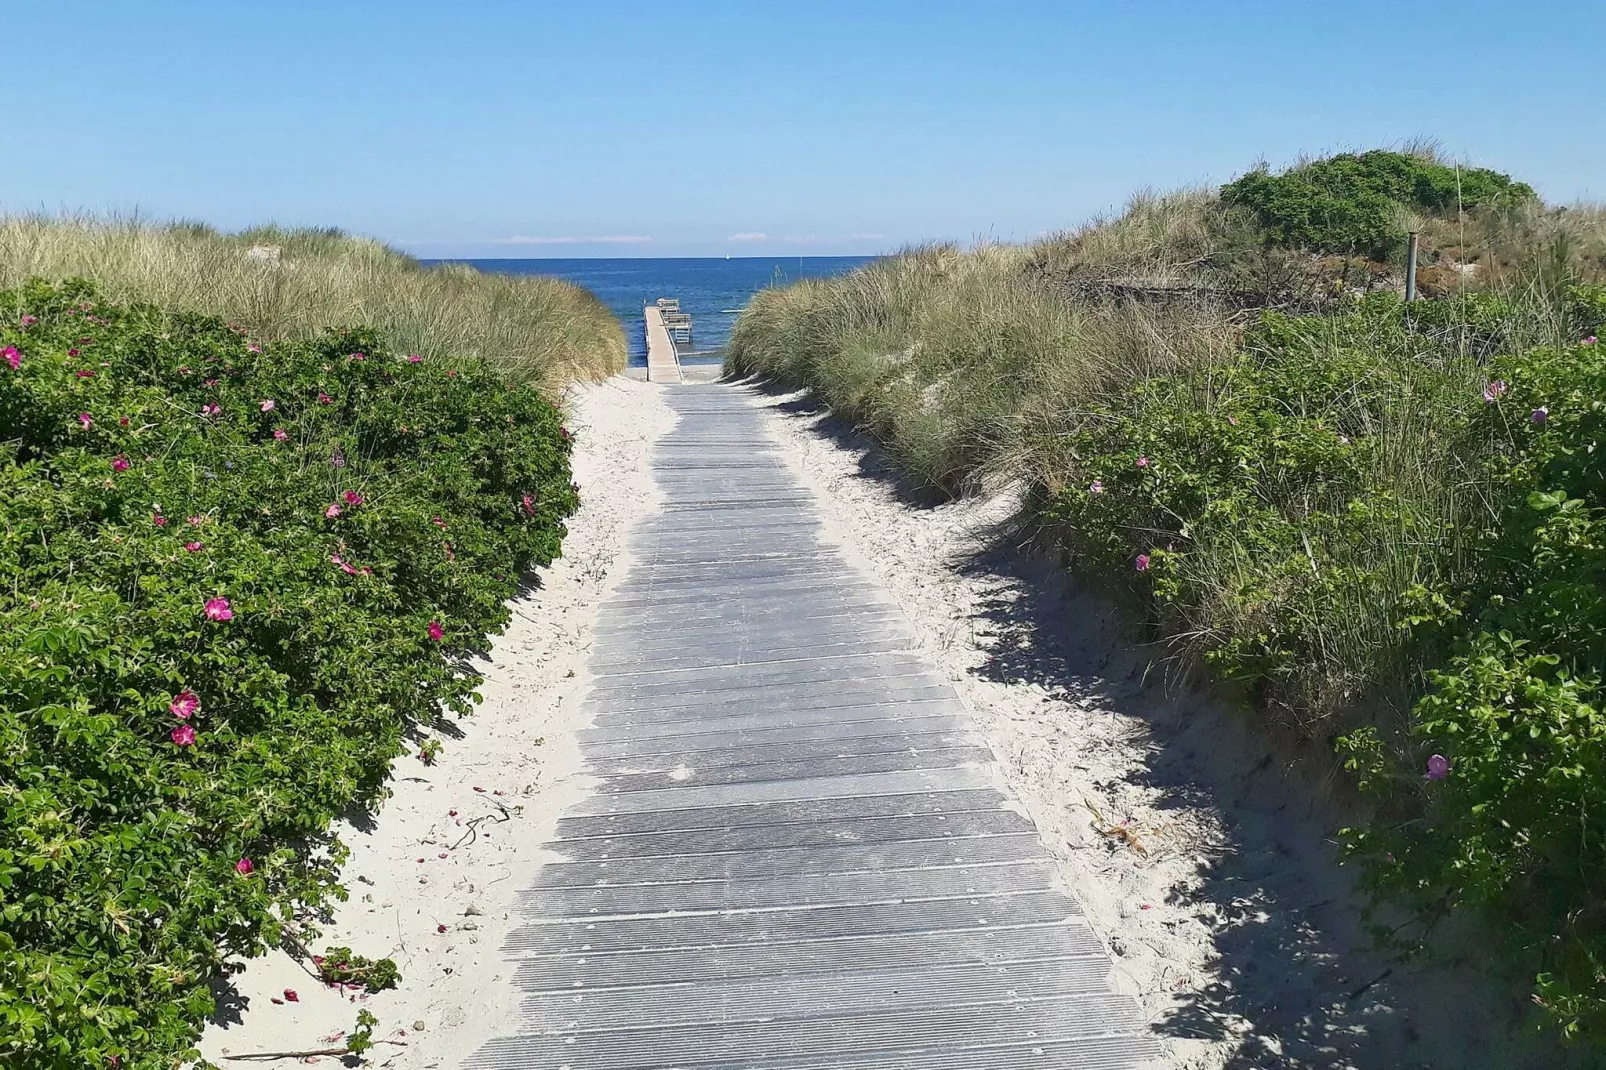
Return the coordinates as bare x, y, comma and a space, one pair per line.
798, 856
663, 361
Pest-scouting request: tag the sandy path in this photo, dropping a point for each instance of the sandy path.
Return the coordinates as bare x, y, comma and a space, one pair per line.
433, 878
1200, 852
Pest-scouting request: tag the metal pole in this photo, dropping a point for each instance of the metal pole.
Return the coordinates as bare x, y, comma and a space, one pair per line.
1410, 269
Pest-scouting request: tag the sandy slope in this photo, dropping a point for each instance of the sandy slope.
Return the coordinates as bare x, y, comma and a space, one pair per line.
433, 888
1201, 852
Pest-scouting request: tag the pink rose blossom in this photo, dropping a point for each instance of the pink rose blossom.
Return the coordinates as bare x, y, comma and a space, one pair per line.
279, 434
357, 356
196, 521
332, 512
324, 399
184, 705
564, 431
414, 358
451, 375
529, 505
183, 735
1142, 563
1492, 392
218, 609
72, 352
1096, 487
29, 321
13, 357
83, 373
86, 419
345, 566
1438, 767
1143, 462
1587, 341
268, 405
252, 347
159, 520
352, 497
436, 632
244, 867
193, 547
211, 409
119, 464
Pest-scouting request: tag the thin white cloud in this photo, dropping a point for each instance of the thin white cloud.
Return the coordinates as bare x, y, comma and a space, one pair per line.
601, 239
748, 235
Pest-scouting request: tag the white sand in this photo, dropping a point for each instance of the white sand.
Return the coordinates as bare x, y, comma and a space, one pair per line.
518, 747
1200, 850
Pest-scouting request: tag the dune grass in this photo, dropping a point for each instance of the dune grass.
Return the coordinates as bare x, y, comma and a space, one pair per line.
294, 284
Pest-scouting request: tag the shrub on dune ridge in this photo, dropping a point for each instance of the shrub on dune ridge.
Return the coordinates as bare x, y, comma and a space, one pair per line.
224, 619
292, 284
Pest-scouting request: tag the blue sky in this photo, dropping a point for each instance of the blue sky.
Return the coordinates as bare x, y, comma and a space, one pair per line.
480, 128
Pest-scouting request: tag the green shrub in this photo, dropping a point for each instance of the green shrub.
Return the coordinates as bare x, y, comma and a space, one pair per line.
1270, 509
221, 620
1505, 818
1351, 203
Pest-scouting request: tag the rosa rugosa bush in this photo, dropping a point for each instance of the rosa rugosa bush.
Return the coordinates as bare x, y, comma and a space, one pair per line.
236, 580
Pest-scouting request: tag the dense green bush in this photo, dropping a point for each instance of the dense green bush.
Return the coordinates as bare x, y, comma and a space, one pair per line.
236, 581
1497, 802
1271, 508
1352, 203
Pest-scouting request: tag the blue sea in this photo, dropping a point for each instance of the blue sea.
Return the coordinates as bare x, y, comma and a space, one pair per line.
712, 289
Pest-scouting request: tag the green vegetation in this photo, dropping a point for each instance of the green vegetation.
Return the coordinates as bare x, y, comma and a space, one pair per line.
289, 285
241, 575
1374, 523
1357, 203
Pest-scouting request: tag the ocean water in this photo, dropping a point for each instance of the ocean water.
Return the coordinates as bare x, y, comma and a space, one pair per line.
712, 289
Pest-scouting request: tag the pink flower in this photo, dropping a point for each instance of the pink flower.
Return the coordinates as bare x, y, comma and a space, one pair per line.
209, 382
1142, 563
218, 609
1096, 487
84, 373
529, 505
72, 352
1233, 420
324, 399
268, 405
244, 867
1587, 341
193, 547
1541, 415
86, 419
357, 356
159, 520
123, 421
1143, 462
13, 357
438, 522
29, 321
252, 347
451, 374
119, 464
564, 431
436, 632
345, 566
332, 512
211, 409
1492, 392
183, 735
1438, 767
184, 705
414, 358
279, 434
352, 497
196, 521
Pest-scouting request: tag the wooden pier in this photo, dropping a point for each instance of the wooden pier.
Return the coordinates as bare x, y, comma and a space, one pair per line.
666, 324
